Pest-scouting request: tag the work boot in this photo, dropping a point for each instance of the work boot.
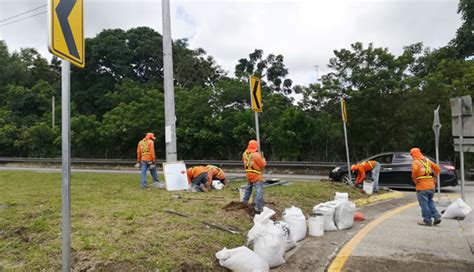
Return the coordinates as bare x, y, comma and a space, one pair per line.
424, 223
437, 221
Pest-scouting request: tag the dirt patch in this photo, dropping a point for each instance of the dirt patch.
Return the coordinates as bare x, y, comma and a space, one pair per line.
242, 209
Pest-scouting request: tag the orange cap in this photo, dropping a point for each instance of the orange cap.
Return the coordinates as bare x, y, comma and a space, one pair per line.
253, 146
353, 167
150, 135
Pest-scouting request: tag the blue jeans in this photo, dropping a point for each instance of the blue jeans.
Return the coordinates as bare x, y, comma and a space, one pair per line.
258, 194
428, 208
375, 176
144, 166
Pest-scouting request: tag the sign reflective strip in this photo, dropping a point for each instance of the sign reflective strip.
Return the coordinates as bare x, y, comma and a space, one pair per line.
343, 111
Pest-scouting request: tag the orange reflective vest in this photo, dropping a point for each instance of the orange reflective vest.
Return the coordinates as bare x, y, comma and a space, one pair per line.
254, 165
215, 172
146, 150
423, 173
362, 168
195, 171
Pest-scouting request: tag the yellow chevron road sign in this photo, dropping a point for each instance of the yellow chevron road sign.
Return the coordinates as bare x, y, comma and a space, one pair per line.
256, 93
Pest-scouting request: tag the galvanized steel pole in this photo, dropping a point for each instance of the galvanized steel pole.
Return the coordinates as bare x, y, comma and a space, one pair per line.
170, 117
66, 165
345, 139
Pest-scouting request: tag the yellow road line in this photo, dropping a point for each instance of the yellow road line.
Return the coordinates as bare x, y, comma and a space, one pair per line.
341, 258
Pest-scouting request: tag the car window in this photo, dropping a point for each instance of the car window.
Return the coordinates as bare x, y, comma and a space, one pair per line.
402, 158
384, 159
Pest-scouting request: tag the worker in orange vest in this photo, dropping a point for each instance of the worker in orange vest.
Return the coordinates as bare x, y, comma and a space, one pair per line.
146, 160
423, 173
254, 164
198, 178
216, 173
363, 167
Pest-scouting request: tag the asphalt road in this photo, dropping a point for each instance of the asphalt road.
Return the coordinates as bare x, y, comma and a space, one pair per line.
135, 171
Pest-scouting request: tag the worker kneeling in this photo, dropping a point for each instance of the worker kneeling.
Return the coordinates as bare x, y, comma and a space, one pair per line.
360, 169
198, 178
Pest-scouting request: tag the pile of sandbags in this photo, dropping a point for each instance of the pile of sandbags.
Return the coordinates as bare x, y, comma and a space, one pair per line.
338, 214
269, 241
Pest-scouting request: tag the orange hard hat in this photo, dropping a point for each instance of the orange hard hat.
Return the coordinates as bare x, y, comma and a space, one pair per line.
353, 167
358, 216
150, 135
253, 146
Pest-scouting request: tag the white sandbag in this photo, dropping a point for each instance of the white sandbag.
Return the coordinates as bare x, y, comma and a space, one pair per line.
295, 218
217, 184
327, 209
341, 197
285, 228
241, 259
268, 240
458, 209
344, 215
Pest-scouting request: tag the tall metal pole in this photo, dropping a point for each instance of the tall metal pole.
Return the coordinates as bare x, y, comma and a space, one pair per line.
436, 128
66, 165
343, 113
461, 155
257, 129
170, 117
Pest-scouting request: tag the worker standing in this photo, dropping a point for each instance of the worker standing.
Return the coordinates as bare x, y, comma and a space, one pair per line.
198, 178
423, 173
363, 167
216, 173
254, 164
146, 160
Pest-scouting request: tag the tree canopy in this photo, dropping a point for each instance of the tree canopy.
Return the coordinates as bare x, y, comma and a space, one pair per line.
118, 97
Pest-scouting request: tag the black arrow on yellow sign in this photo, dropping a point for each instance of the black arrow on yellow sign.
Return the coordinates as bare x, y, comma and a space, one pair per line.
63, 10
254, 93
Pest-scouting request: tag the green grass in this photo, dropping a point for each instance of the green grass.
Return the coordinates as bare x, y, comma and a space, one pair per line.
118, 226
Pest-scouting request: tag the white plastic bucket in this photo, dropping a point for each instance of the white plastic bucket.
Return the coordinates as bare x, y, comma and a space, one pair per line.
368, 187
316, 225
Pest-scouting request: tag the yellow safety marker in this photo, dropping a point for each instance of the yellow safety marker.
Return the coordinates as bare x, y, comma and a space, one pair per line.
346, 251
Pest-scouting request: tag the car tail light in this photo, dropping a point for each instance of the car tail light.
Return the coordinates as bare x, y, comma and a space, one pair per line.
449, 167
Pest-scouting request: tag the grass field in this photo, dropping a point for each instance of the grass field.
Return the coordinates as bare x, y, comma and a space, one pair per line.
116, 226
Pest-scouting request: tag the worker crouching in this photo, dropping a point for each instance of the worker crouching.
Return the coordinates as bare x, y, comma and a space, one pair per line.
367, 166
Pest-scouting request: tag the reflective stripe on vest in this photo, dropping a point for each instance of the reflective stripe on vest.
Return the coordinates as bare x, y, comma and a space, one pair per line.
144, 147
371, 166
248, 165
210, 167
428, 172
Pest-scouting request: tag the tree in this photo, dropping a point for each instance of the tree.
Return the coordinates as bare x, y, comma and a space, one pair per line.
270, 68
464, 40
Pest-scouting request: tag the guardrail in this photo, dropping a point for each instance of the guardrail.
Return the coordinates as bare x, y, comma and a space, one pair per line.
130, 162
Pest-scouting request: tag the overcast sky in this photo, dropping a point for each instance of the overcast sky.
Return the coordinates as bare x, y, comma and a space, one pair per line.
305, 32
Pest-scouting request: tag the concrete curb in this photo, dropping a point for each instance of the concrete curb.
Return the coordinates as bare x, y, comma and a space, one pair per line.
468, 229
377, 198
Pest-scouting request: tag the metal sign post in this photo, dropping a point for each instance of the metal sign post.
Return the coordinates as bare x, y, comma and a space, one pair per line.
170, 117
66, 40
66, 165
462, 130
344, 121
256, 102
436, 129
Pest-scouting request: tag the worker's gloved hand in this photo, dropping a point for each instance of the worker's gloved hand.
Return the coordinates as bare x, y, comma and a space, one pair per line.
137, 165
153, 166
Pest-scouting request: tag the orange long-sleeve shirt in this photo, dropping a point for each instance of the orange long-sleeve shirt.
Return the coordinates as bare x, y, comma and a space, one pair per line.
254, 164
215, 172
423, 173
362, 168
195, 171
146, 150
